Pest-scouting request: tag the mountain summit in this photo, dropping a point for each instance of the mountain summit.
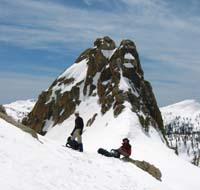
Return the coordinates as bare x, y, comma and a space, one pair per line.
105, 75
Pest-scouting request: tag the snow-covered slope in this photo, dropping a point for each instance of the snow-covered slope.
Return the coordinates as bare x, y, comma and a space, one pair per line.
182, 123
188, 111
27, 163
19, 109
176, 172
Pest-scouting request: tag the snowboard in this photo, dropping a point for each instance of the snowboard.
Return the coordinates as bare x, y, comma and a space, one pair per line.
112, 153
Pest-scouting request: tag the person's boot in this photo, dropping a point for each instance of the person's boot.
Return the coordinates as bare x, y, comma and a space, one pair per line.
81, 147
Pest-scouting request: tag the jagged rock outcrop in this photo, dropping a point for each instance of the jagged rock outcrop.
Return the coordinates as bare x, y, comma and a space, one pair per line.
108, 69
2, 109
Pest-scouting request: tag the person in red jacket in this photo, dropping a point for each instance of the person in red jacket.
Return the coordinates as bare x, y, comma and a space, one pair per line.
125, 149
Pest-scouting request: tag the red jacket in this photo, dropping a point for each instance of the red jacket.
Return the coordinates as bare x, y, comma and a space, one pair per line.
126, 147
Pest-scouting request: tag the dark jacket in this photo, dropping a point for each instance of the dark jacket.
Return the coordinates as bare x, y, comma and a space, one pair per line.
78, 124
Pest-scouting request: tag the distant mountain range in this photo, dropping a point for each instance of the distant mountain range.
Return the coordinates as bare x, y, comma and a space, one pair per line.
182, 125
19, 109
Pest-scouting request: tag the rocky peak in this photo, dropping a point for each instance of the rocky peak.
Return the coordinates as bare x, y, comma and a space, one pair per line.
2, 109
113, 75
105, 43
127, 44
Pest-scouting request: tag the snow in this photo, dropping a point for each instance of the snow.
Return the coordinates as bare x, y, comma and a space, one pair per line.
126, 84
129, 56
27, 163
186, 110
19, 109
128, 65
182, 121
77, 71
31, 164
107, 132
108, 53
48, 125
96, 78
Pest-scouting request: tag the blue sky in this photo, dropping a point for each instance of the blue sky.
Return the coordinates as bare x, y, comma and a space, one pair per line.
41, 38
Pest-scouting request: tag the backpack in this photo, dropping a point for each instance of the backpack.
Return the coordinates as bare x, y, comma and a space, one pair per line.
72, 144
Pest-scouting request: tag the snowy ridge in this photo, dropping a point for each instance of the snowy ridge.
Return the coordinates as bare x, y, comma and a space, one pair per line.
129, 56
187, 108
108, 53
77, 72
186, 112
19, 109
108, 131
29, 164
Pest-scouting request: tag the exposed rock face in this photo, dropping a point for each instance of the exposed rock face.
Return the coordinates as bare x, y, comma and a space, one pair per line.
2, 109
147, 167
105, 43
108, 69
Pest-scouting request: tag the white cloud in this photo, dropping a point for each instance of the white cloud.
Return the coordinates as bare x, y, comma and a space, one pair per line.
160, 34
36, 24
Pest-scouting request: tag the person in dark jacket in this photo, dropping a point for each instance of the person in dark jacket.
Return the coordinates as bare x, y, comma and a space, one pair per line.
78, 130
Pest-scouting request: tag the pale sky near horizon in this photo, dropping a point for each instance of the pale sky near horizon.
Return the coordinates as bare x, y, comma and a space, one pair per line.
41, 38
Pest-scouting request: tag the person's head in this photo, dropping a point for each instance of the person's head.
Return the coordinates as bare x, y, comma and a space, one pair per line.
76, 114
125, 140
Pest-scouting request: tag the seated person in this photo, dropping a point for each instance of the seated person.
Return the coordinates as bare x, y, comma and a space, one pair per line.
124, 150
